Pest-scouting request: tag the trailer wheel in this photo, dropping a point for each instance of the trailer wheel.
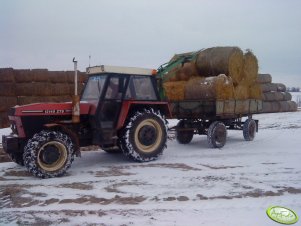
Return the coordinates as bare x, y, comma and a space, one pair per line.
217, 135
249, 129
49, 154
17, 158
183, 136
144, 137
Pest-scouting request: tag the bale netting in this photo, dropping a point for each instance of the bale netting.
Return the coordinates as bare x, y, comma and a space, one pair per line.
7, 89
7, 102
264, 78
250, 69
287, 96
219, 87
175, 91
7, 75
23, 100
221, 60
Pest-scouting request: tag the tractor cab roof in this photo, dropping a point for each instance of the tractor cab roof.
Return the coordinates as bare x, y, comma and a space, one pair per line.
119, 70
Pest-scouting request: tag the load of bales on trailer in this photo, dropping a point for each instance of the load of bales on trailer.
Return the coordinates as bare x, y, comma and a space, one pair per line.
25, 86
224, 73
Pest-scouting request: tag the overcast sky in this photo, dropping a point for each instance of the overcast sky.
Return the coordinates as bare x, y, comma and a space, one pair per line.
146, 33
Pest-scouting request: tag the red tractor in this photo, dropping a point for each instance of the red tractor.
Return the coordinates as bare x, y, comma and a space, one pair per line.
120, 109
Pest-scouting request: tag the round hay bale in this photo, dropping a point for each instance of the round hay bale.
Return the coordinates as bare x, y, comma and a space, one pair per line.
280, 87
268, 87
221, 60
200, 88
187, 71
255, 92
7, 89
250, 69
208, 88
264, 78
287, 96
40, 75
284, 106
275, 106
292, 106
241, 92
174, 91
273, 96
22, 76
7, 102
7, 75
266, 107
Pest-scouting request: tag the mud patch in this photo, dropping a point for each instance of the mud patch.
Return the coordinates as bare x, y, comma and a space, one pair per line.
179, 166
220, 167
104, 201
80, 186
17, 173
113, 172
115, 187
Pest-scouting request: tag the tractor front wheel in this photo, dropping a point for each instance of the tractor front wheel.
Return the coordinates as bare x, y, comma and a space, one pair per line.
144, 136
49, 154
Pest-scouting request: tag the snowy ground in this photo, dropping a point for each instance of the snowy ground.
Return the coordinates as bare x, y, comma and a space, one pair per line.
188, 185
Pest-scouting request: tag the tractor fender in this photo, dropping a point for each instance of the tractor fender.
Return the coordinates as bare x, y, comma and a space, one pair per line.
69, 132
129, 106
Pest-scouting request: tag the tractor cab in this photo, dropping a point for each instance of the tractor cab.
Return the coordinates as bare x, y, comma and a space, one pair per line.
111, 90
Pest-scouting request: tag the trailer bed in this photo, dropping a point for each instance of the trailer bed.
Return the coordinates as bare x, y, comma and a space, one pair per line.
215, 109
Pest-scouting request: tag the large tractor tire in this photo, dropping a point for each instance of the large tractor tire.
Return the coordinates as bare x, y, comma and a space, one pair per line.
49, 154
249, 129
217, 135
144, 136
17, 158
183, 136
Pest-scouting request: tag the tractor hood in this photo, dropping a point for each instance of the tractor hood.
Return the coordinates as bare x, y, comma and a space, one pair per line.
48, 109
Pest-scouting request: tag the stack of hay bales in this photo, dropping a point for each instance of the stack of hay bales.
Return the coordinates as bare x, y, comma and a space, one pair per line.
274, 96
219, 73
20, 87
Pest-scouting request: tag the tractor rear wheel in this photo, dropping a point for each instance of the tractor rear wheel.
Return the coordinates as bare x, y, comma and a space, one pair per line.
183, 136
144, 136
49, 154
249, 129
217, 135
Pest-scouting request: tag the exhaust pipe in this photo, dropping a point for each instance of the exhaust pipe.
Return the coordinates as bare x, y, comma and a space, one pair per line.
75, 98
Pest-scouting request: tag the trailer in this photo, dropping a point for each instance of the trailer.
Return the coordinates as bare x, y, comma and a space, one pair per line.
214, 118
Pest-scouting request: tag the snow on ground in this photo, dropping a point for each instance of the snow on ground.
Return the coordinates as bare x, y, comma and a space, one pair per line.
188, 185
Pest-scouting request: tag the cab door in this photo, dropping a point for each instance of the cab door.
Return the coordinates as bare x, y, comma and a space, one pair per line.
109, 108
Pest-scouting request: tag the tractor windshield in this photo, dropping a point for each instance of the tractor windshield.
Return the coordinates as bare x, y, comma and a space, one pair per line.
94, 89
